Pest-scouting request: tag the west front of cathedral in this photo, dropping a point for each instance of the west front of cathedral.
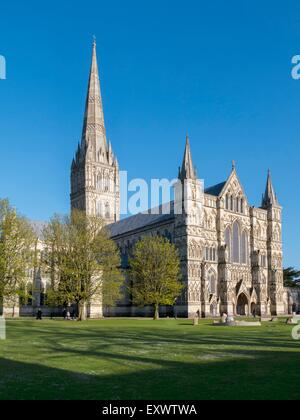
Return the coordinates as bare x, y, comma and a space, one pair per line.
231, 252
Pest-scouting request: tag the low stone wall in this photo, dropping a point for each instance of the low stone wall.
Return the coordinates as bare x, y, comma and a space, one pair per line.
49, 312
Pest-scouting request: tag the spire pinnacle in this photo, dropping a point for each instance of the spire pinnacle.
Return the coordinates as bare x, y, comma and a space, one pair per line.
187, 170
93, 127
269, 198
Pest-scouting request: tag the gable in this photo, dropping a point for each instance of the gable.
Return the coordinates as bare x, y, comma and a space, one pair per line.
233, 187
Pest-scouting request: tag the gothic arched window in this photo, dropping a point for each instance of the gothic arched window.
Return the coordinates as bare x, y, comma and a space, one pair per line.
244, 248
99, 208
228, 241
227, 202
106, 184
213, 284
99, 182
242, 205
107, 211
236, 243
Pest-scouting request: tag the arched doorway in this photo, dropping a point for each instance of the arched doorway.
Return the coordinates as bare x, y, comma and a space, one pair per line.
253, 309
213, 310
242, 305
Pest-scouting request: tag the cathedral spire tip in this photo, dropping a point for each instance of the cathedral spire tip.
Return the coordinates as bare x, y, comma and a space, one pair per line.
187, 170
270, 197
94, 126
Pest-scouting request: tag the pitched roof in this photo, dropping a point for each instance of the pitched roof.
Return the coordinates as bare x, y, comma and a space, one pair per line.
215, 189
142, 220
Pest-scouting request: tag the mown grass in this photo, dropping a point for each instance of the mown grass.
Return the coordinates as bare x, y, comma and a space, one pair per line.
142, 359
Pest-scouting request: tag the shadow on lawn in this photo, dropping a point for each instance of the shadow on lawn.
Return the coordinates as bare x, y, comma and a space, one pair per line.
234, 379
139, 336
222, 366
212, 337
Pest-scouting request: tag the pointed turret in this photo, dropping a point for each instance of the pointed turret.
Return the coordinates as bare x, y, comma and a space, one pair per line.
93, 127
187, 170
269, 198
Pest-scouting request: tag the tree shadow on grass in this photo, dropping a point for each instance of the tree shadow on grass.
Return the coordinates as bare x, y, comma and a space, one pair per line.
234, 342
93, 362
212, 337
213, 380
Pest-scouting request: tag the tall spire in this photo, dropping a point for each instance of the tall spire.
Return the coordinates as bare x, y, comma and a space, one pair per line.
187, 170
270, 198
93, 127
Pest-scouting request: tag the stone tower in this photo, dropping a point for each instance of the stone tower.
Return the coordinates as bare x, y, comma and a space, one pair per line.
274, 248
188, 219
95, 185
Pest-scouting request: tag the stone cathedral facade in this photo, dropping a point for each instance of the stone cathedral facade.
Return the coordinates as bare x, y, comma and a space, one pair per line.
231, 252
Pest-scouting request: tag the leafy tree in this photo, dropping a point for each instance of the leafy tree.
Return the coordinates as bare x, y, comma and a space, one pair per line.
82, 261
291, 277
17, 243
155, 273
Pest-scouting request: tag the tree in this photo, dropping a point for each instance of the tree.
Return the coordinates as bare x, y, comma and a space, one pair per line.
155, 273
82, 261
291, 277
17, 242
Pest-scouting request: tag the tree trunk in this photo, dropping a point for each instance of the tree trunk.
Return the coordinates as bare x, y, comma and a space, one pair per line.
82, 311
156, 313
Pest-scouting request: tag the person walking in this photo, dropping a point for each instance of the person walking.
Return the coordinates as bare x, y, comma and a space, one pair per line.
65, 314
39, 315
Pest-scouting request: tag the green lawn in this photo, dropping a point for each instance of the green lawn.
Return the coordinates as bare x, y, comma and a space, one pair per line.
143, 359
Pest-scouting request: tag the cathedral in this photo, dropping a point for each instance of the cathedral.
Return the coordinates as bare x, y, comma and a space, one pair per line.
231, 252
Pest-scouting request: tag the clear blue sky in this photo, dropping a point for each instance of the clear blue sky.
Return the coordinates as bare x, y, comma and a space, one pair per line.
217, 69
